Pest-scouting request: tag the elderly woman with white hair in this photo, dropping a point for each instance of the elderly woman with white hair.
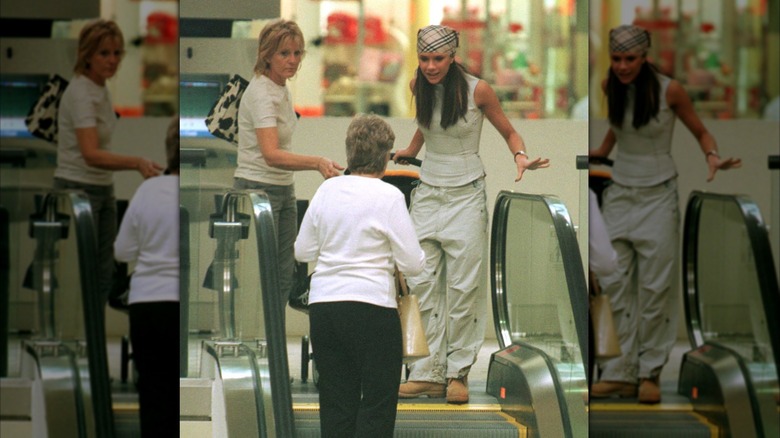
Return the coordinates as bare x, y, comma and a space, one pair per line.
449, 210
641, 212
356, 230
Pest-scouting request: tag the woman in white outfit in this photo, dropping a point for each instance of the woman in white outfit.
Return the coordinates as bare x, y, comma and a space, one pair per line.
149, 239
641, 212
449, 210
356, 230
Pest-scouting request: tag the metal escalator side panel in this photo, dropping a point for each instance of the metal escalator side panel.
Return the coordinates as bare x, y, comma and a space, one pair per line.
539, 293
248, 214
58, 388
523, 380
713, 377
241, 389
94, 311
731, 294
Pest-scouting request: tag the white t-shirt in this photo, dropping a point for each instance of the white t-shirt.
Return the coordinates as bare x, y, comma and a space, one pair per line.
264, 104
84, 104
355, 230
149, 236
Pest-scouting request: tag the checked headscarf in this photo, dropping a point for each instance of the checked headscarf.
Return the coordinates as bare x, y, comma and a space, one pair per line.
630, 39
436, 38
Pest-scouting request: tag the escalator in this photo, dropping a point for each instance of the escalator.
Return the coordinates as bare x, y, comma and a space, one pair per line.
536, 384
55, 380
540, 312
728, 380
237, 383
234, 376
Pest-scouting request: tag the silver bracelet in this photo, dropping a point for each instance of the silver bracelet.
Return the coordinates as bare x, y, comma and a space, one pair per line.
514, 157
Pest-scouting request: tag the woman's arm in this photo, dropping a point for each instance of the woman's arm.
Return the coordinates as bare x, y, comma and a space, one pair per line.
411, 151
89, 145
417, 141
606, 145
609, 139
682, 106
486, 100
127, 243
307, 245
268, 139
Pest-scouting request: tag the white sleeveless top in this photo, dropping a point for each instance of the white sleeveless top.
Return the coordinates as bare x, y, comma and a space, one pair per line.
644, 156
452, 154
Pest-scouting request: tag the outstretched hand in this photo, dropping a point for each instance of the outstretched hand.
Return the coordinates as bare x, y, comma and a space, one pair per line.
715, 163
148, 168
329, 168
524, 163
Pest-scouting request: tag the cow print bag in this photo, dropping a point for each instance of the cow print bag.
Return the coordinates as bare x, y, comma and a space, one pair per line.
222, 120
41, 121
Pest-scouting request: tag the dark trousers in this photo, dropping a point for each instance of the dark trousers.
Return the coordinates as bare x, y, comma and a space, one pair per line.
357, 351
154, 334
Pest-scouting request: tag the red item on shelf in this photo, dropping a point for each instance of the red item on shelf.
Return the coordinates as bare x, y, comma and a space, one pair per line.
343, 29
707, 27
162, 28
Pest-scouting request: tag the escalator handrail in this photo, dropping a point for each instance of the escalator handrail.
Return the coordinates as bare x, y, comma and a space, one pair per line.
94, 316
265, 229
572, 262
762, 255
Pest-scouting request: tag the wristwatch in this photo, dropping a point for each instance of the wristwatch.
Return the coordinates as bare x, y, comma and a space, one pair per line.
519, 153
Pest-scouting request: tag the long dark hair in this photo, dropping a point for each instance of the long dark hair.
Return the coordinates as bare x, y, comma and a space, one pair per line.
456, 97
647, 100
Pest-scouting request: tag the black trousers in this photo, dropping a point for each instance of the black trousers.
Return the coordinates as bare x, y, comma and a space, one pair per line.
154, 335
357, 350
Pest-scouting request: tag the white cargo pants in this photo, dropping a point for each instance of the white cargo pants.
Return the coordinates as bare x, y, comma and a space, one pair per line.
643, 224
451, 223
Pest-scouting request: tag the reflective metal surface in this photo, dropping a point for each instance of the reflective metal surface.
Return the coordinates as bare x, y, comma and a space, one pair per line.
732, 299
235, 333
540, 295
61, 349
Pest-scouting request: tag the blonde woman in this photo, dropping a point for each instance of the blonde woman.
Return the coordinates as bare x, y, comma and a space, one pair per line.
86, 123
266, 123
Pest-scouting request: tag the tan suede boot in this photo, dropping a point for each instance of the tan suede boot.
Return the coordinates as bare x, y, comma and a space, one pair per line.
457, 391
607, 388
649, 391
414, 389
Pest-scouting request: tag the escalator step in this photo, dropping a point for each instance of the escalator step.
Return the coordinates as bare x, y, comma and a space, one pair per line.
417, 424
649, 425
